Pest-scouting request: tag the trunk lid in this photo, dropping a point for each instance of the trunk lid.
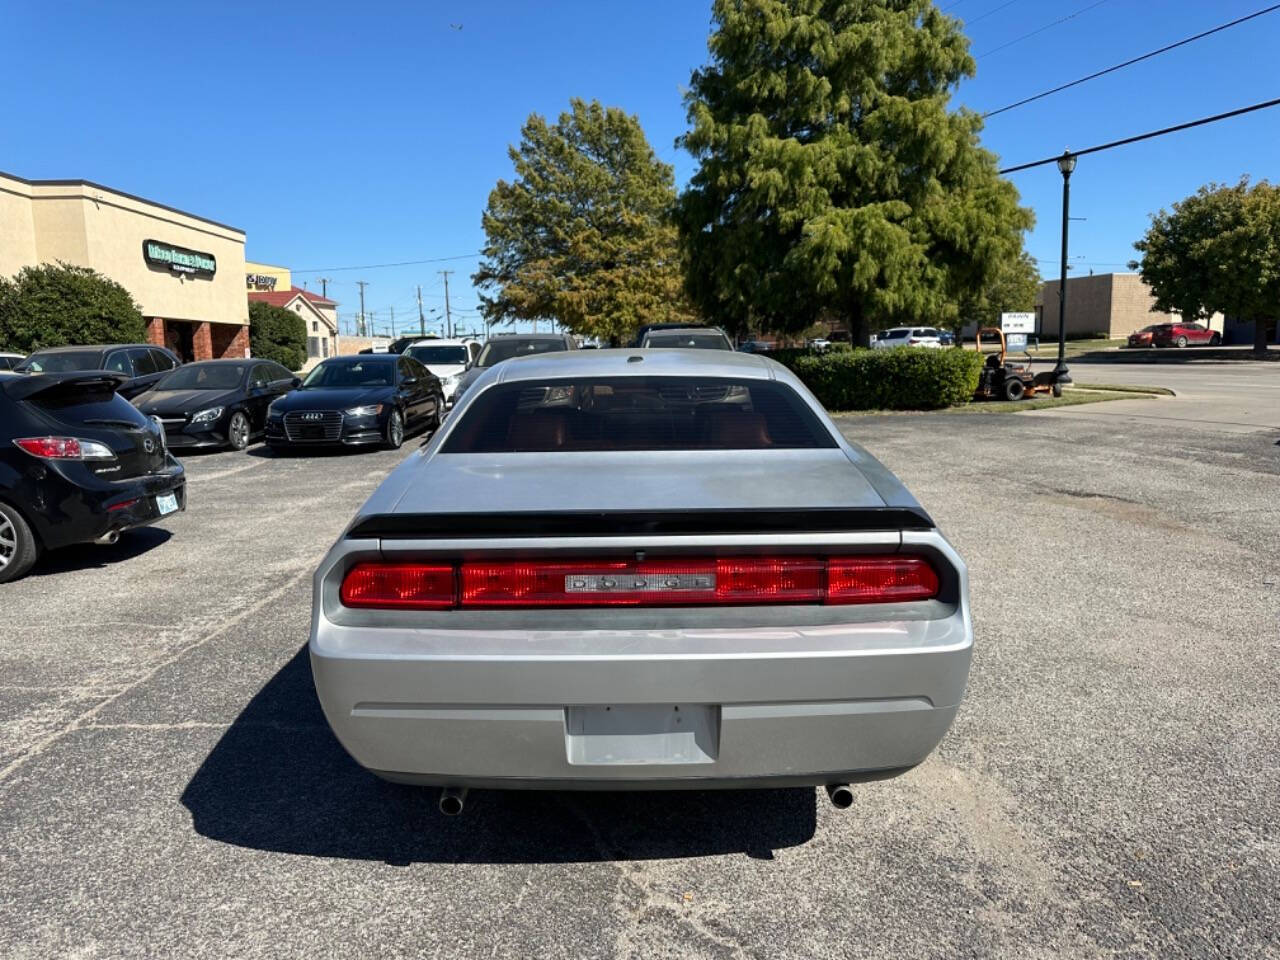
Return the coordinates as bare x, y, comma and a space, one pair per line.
678, 480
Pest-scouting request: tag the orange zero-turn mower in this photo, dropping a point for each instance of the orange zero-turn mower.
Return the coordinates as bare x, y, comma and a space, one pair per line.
1003, 379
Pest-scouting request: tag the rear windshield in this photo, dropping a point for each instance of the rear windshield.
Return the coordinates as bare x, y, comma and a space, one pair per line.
222, 376
94, 405
637, 413
429, 355
62, 362
495, 351
368, 373
697, 341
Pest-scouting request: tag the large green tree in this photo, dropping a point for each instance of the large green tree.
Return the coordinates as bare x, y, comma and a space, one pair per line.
1218, 251
833, 175
55, 304
1011, 288
277, 334
584, 234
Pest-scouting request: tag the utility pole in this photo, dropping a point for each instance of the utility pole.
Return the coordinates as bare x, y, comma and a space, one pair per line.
422, 321
360, 327
324, 286
448, 319
393, 323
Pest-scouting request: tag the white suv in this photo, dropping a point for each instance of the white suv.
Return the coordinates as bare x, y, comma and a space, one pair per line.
908, 337
447, 359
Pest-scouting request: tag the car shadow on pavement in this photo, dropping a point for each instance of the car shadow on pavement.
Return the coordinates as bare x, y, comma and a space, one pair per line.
278, 780
90, 556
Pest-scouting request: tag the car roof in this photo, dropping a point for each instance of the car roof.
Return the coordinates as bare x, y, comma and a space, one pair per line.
531, 336
361, 358
684, 332
634, 362
440, 342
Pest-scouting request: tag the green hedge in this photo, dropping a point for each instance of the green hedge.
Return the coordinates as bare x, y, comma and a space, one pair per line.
899, 379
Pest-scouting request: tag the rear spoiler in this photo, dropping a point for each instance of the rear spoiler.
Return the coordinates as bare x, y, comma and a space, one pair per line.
25, 387
605, 523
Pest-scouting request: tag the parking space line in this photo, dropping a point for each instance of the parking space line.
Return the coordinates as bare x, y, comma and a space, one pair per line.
82, 721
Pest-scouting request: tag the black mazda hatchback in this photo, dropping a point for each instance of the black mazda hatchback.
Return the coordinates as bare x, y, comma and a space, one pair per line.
216, 403
78, 464
371, 398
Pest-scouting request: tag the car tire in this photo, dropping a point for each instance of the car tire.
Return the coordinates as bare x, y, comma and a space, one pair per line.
394, 433
1014, 389
238, 431
1215, 340
18, 547
436, 418
1057, 389
1180, 342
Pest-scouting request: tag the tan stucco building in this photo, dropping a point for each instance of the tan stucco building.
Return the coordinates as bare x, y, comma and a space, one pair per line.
1106, 304
186, 272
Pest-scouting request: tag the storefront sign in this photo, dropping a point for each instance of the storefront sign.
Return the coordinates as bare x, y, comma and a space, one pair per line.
260, 281
179, 259
1018, 322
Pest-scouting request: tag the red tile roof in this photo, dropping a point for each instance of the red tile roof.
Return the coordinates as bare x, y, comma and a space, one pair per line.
280, 298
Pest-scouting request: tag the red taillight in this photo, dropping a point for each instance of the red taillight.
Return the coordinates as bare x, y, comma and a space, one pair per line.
587, 583
410, 586
653, 583
51, 448
123, 505
880, 580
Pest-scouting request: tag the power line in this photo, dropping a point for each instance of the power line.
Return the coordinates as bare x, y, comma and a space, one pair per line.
1147, 136
1129, 63
1047, 26
982, 16
403, 263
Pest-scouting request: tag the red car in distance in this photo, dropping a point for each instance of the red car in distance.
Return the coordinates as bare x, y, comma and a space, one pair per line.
1142, 338
1183, 335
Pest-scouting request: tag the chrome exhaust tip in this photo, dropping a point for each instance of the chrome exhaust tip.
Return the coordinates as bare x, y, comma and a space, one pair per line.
108, 539
840, 795
452, 800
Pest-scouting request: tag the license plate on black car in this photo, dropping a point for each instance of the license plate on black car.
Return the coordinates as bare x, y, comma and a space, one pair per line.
167, 503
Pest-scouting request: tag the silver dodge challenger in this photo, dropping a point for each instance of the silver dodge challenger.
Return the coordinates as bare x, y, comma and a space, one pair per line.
640, 569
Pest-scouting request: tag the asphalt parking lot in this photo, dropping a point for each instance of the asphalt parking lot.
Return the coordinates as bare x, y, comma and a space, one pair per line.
168, 786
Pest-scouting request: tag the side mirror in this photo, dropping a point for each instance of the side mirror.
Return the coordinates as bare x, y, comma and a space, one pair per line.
295, 383
409, 381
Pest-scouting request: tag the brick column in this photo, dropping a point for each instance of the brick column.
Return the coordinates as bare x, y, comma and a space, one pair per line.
155, 331
239, 344
202, 342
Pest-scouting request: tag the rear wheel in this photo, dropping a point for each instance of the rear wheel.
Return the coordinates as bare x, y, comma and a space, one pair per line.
1057, 389
1182, 342
238, 431
395, 430
18, 547
1014, 389
1215, 340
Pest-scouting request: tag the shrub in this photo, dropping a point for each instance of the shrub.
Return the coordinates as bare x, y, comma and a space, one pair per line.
52, 305
277, 334
900, 379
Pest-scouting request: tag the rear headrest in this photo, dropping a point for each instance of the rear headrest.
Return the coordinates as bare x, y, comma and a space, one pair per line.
537, 431
739, 430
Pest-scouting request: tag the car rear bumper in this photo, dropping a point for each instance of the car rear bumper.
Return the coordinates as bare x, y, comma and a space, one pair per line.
68, 513
763, 707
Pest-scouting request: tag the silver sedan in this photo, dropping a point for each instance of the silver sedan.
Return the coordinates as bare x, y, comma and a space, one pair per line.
640, 569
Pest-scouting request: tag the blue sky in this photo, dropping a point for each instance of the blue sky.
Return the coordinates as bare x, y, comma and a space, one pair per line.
340, 135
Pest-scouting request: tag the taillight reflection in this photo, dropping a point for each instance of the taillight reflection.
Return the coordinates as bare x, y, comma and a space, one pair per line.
403, 586
741, 581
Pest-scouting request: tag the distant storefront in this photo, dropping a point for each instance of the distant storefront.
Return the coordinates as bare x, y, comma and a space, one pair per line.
185, 271
274, 285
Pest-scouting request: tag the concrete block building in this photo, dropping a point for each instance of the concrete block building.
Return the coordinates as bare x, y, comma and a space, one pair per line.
1106, 304
185, 271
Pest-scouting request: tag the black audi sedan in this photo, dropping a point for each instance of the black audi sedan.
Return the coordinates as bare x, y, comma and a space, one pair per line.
216, 403
140, 365
78, 464
365, 399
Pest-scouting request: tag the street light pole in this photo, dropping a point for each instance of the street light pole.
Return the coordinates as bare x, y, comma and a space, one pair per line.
1066, 164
